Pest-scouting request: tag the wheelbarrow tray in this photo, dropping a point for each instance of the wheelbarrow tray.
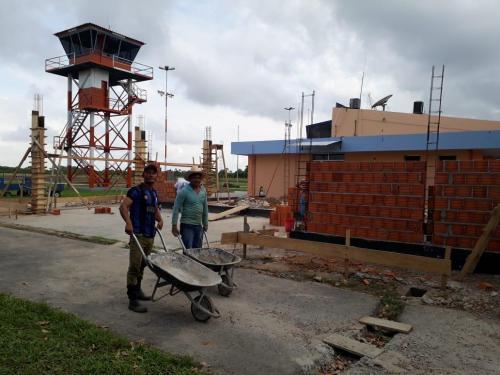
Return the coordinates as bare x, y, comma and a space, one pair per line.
213, 257
183, 272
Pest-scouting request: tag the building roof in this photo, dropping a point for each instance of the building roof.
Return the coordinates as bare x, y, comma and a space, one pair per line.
467, 140
88, 25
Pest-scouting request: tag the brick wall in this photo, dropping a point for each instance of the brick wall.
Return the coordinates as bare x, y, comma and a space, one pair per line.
375, 200
465, 193
165, 189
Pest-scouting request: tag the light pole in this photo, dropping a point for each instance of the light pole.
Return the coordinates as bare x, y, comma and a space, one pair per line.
166, 68
286, 166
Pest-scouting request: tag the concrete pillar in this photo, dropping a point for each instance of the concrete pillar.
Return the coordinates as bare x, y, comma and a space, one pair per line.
141, 154
37, 164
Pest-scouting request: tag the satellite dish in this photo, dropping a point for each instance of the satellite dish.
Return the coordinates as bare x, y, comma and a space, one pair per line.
382, 102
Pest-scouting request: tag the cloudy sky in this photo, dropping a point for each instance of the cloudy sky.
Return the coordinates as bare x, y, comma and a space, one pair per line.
242, 62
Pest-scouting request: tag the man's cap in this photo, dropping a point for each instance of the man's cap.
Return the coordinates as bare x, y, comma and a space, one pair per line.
151, 168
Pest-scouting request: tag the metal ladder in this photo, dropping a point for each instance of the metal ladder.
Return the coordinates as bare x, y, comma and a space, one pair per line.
432, 144
433, 123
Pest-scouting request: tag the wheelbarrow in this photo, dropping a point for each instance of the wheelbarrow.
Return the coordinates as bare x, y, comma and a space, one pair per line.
184, 275
218, 260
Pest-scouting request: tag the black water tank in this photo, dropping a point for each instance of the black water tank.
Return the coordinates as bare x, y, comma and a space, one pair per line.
354, 103
418, 107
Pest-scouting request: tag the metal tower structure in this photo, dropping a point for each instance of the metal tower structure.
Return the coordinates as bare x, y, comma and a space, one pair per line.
102, 79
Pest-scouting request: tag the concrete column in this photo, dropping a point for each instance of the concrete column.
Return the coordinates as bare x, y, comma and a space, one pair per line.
141, 154
37, 164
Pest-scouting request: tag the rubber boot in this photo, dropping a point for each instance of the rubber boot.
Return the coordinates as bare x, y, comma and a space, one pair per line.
140, 294
134, 304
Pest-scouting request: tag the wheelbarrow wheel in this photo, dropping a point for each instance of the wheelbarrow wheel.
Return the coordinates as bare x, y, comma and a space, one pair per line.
199, 314
223, 289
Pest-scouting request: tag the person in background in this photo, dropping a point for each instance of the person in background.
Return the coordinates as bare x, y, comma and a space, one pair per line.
180, 184
141, 212
193, 205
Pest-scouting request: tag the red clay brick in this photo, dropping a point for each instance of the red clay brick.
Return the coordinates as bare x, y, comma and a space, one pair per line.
466, 166
494, 246
481, 165
458, 179
440, 203
494, 166
441, 178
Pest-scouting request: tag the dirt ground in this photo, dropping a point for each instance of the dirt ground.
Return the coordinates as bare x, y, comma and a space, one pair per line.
478, 293
274, 323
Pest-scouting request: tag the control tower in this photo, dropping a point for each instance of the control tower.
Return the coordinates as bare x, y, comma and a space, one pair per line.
102, 77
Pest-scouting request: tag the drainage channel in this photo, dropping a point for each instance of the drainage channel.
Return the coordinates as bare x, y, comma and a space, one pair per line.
389, 307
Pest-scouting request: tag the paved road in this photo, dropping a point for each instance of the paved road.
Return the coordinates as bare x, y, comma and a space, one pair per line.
269, 325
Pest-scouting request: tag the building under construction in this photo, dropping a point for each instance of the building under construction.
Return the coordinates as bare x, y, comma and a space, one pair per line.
414, 178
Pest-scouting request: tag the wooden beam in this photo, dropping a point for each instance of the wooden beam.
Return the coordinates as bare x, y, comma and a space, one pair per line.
388, 325
229, 238
15, 171
64, 176
231, 211
481, 244
119, 160
329, 250
444, 278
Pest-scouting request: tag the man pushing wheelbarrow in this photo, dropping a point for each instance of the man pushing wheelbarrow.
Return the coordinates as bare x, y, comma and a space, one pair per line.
191, 201
140, 211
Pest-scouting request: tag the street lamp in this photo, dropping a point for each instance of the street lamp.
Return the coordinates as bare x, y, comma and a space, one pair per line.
167, 95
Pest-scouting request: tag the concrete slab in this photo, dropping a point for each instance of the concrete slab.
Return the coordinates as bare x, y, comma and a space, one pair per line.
85, 222
268, 326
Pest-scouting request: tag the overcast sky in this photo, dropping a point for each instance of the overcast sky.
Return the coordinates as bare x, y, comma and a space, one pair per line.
242, 62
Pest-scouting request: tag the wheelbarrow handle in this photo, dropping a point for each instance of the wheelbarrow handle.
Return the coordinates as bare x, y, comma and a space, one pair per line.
141, 250
182, 243
206, 238
162, 240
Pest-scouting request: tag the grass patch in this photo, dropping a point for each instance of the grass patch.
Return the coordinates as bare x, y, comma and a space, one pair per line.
38, 339
391, 306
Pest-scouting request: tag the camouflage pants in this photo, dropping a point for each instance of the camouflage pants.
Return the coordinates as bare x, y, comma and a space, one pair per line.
136, 263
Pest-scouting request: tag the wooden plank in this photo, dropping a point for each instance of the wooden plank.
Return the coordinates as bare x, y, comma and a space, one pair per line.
481, 244
388, 325
329, 250
231, 211
444, 278
229, 238
352, 346
266, 232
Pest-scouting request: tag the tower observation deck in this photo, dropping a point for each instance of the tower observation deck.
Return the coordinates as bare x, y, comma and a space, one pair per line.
102, 77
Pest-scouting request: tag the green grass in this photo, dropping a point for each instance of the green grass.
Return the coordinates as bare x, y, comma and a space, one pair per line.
38, 339
391, 306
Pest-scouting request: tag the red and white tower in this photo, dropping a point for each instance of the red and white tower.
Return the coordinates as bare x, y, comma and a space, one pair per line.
102, 90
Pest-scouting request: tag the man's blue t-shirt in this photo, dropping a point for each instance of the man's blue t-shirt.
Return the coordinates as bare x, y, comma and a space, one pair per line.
143, 209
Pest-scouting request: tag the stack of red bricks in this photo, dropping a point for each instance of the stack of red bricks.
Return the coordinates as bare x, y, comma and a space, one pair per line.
280, 214
166, 190
375, 200
465, 194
